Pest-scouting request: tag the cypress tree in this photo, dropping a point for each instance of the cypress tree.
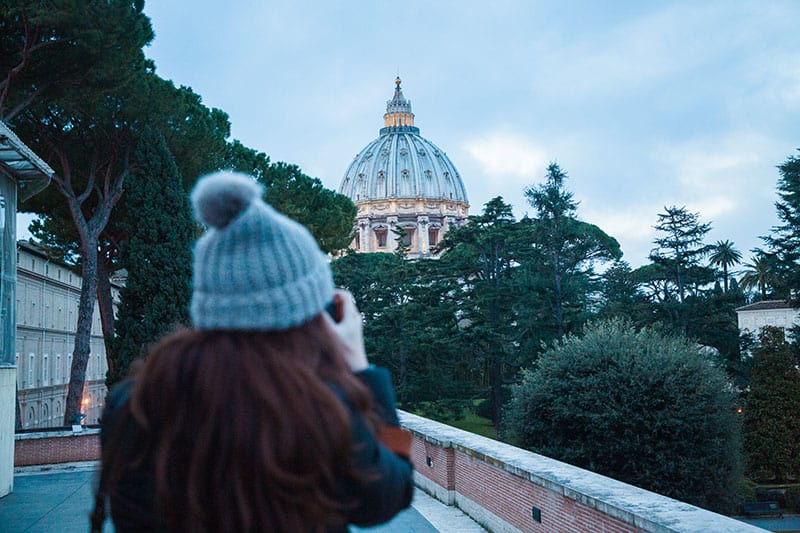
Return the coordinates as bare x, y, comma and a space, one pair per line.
157, 254
772, 413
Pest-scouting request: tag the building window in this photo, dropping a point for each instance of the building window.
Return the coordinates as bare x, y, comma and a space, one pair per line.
44, 370
433, 236
381, 236
358, 240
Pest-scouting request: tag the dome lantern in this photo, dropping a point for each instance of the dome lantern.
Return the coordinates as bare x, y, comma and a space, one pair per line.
398, 115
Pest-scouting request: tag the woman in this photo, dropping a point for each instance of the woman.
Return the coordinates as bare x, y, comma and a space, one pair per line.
266, 416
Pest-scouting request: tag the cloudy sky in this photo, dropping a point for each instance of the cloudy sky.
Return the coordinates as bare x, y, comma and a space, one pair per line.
644, 104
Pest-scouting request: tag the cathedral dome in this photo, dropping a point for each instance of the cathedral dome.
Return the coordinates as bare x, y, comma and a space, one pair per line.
402, 164
407, 190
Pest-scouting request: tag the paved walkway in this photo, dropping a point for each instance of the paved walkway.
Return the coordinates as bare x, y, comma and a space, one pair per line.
60, 501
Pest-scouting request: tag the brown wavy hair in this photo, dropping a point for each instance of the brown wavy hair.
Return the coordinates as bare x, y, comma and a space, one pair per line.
246, 431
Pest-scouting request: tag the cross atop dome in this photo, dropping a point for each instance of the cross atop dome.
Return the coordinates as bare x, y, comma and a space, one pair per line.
398, 117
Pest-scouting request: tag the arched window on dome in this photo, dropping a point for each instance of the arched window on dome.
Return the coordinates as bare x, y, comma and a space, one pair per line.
380, 184
358, 241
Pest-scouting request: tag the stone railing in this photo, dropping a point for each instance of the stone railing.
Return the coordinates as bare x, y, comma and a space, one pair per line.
507, 489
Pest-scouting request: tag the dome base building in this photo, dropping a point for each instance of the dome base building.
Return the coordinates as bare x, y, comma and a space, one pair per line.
405, 187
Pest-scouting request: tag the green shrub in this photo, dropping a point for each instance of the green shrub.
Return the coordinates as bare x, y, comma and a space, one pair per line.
641, 407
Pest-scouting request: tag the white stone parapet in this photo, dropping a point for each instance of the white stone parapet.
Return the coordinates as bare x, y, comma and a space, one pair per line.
567, 487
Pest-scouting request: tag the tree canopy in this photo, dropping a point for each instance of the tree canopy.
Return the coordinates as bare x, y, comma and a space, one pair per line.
68, 50
724, 255
784, 240
680, 247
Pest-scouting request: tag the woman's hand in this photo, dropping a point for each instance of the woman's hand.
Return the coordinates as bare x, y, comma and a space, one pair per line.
346, 333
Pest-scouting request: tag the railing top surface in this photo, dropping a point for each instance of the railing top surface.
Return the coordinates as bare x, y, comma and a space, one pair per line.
33, 434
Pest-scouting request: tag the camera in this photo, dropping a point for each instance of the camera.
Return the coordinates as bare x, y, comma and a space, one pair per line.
333, 311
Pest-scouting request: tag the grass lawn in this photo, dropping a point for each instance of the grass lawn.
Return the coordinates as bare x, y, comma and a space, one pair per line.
475, 424
470, 422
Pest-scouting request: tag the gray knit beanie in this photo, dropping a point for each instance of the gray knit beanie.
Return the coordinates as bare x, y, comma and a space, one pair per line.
254, 268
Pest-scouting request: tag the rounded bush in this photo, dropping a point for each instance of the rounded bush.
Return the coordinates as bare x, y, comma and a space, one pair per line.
641, 407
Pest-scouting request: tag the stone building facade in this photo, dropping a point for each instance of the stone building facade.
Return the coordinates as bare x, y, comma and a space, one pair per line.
47, 309
778, 313
405, 187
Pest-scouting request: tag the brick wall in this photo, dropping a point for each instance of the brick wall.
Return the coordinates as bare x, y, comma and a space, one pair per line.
498, 485
507, 489
53, 447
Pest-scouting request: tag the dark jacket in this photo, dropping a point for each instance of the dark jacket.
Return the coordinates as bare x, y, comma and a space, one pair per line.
379, 498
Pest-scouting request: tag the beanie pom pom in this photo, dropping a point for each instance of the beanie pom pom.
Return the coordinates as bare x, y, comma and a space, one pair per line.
220, 197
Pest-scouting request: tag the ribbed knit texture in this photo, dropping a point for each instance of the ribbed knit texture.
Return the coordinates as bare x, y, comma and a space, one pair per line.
257, 269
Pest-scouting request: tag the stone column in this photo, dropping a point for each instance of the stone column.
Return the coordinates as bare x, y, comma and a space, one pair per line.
364, 235
422, 235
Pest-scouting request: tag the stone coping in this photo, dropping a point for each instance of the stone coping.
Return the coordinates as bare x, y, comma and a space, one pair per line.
57, 468
56, 433
641, 508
